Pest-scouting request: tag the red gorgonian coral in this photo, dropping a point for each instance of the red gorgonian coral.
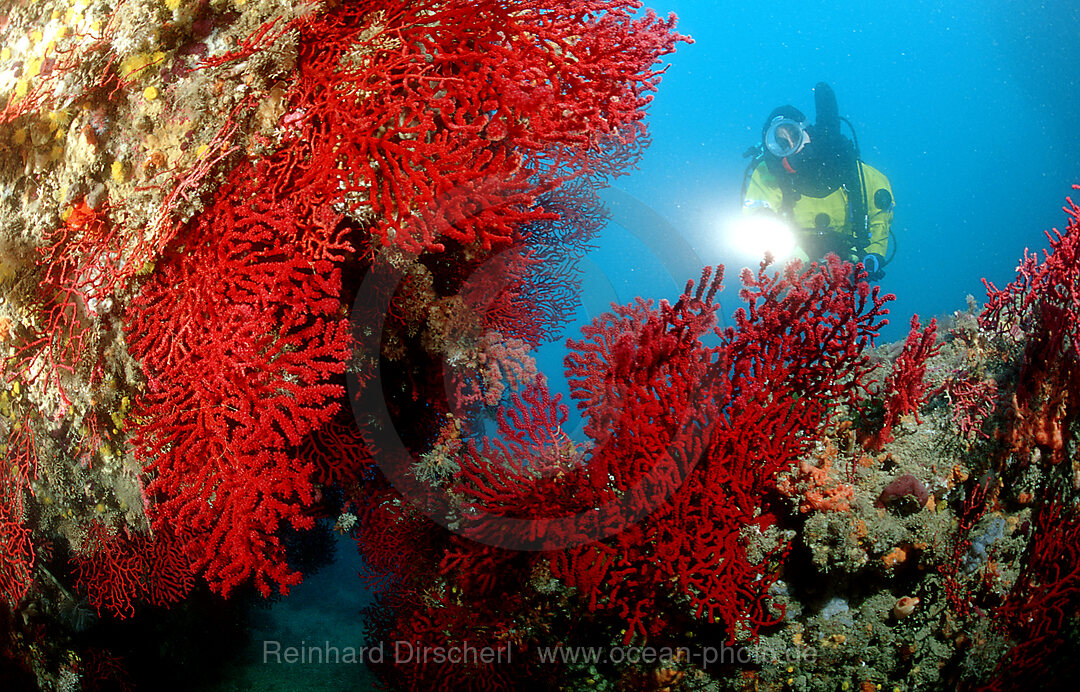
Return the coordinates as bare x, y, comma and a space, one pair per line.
482, 107
686, 440
1043, 303
905, 389
240, 335
116, 570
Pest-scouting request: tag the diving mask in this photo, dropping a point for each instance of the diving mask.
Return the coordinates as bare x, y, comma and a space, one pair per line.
785, 137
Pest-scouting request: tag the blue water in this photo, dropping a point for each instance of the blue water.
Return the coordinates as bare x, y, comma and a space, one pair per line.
324, 611
972, 111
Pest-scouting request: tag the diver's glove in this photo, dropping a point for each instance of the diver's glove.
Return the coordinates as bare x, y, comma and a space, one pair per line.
873, 263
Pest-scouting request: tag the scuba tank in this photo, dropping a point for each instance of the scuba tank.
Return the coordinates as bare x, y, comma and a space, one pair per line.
827, 128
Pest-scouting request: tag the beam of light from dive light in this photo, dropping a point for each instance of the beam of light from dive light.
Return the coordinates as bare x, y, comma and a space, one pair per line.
751, 236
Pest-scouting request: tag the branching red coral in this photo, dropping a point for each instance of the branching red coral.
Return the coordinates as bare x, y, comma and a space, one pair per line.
905, 387
972, 400
116, 570
483, 106
536, 292
20, 459
1043, 304
397, 543
686, 441
79, 264
17, 553
1043, 600
108, 571
16, 557
462, 636
339, 453
957, 591
240, 335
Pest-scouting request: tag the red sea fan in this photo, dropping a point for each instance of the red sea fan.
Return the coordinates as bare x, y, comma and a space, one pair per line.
79, 275
905, 388
16, 557
687, 441
1043, 305
444, 645
431, 120
16, 543
398, 544
455, 116
117, 570
1042, 602
240, 337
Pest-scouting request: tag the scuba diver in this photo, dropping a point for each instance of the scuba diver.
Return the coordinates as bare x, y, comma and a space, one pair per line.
812, 177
